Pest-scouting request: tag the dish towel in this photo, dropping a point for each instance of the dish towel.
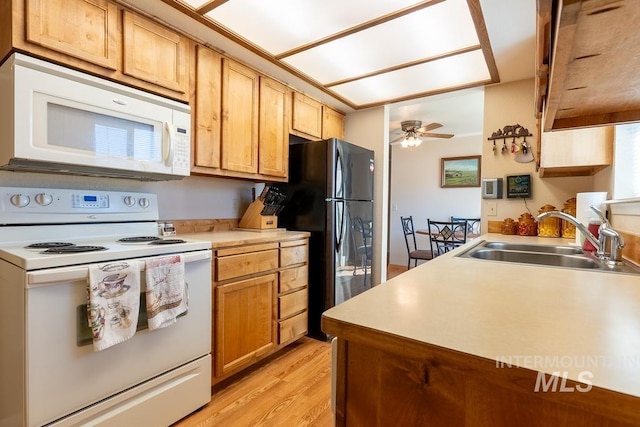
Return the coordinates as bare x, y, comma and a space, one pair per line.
113, 302
166, 291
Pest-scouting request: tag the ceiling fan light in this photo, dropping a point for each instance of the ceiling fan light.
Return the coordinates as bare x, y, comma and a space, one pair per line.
411, 140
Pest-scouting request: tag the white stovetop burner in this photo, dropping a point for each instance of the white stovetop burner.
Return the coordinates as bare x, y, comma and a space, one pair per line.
83, 218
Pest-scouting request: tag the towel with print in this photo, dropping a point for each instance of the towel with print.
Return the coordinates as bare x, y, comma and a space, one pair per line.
166, 293
113, 302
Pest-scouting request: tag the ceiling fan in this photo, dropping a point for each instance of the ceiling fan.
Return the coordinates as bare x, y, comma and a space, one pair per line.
412, 130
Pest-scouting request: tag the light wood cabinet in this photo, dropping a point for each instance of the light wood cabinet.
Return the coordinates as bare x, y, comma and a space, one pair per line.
100, 37
332, 123
207, 109
240, 87
306, 118
576, 152
244, 329
154, 53
275, 110
241, 121
260, 302
85, 29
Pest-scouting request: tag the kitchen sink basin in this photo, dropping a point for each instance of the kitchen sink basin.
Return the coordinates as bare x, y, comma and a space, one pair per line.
547, 255
541, 258
566, 250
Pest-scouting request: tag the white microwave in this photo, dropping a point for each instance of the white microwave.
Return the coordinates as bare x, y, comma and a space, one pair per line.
60, 120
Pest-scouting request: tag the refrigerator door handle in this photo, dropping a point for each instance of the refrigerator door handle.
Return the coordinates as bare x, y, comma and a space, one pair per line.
338, 178
340, 226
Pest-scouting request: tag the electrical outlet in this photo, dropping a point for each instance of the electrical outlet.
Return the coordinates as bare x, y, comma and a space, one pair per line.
492, 209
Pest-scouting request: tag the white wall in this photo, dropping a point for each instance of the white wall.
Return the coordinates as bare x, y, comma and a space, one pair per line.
193, 197
370, 129
415, 190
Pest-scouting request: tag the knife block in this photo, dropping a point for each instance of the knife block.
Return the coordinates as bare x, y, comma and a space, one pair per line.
253, 219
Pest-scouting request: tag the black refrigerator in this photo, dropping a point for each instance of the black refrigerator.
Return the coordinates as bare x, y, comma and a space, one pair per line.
330, 194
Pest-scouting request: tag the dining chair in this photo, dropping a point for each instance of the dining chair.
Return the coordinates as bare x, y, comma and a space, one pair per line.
361, 235
473, 225
446, 235
413, 252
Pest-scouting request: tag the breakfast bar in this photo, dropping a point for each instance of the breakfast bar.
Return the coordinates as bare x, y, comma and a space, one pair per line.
465, 341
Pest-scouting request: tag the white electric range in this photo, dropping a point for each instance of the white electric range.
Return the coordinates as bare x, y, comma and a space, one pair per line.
50, 372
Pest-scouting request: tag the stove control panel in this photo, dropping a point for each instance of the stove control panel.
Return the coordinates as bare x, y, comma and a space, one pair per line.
20, 205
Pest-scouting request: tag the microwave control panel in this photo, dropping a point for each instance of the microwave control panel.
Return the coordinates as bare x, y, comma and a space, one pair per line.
181, 148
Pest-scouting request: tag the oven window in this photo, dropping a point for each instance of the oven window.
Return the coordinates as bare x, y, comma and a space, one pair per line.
83, 331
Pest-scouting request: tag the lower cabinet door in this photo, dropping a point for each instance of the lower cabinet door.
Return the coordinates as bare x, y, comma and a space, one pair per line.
244, 327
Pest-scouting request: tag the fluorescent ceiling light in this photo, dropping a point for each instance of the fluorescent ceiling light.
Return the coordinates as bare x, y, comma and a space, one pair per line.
362, 52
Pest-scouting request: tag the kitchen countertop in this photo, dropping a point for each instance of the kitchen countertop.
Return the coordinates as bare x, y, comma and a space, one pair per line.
547, 319
221, 239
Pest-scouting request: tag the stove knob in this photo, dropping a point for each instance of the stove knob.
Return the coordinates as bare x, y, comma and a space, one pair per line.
129, 201
44, 199
20, 200
144, 202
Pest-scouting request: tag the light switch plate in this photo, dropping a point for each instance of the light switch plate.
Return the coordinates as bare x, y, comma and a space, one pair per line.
492, 208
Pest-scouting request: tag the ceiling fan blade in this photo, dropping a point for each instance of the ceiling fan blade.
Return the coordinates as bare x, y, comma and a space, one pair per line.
436, 135
430, 126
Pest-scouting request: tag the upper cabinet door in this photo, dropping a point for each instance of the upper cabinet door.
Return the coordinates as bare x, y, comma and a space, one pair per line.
332, 123
85, 29
240, 87
208, 108
154, 53
307, 115
274, 128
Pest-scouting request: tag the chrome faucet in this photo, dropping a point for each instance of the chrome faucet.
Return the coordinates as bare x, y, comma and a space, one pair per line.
605, 231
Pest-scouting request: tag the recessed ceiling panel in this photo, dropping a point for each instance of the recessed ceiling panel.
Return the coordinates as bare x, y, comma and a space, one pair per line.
433, 76
280, 25
423, 34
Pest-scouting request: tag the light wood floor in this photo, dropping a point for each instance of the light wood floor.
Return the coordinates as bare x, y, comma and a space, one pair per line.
291, 389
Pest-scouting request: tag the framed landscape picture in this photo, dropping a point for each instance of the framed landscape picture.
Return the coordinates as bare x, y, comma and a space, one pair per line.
460, 172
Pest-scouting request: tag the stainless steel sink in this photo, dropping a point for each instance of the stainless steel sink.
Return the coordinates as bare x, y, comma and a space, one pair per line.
571, 261
547, 255
552, 249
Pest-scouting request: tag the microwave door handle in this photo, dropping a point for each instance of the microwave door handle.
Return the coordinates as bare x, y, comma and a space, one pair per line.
168, 143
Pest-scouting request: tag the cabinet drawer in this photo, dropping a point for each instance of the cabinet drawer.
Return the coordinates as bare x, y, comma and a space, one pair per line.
293, 303
239, 265
293, 278
292, 328
294, 255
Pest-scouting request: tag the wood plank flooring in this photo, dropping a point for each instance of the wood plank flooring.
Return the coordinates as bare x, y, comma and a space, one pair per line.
291, 388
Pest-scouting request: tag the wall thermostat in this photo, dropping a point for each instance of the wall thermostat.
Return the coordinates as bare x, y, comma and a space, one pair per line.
518, 186
492, 188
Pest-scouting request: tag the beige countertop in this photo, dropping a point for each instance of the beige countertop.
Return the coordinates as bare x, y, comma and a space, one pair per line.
547, 319
220, 239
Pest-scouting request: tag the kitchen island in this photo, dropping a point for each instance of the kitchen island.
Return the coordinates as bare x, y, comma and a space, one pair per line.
469, 342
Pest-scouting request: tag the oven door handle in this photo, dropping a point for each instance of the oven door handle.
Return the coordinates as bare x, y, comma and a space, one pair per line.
66, 274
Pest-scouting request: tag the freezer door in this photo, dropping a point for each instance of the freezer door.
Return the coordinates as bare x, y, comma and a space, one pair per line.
353, 249
351, 171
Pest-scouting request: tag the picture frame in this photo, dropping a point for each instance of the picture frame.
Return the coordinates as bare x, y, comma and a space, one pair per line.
519, 186
460, 172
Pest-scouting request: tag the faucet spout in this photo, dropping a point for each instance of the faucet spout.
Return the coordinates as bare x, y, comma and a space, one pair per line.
573, 220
